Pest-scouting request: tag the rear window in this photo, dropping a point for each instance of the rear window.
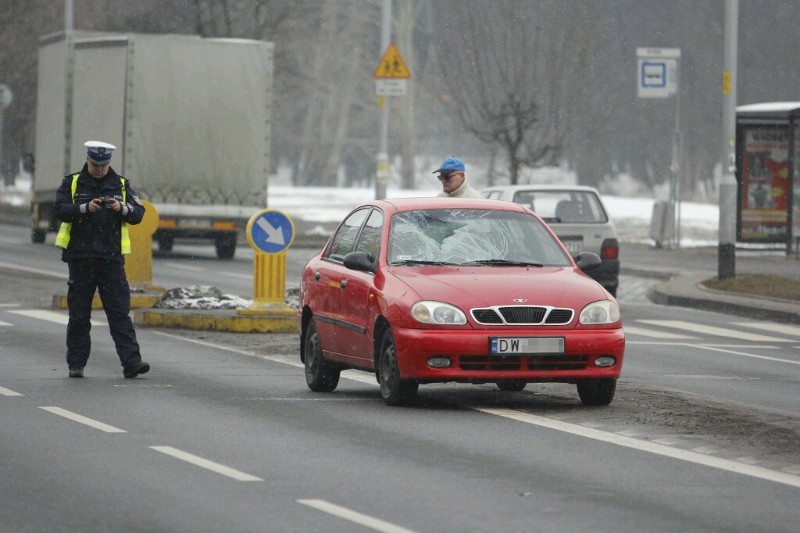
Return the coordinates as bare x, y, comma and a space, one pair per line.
564, 207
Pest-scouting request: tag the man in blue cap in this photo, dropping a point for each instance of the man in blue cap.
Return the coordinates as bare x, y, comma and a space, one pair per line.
95, 206
452, 175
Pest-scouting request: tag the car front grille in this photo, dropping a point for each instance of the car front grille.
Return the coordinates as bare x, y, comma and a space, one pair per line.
523, 362
522, 315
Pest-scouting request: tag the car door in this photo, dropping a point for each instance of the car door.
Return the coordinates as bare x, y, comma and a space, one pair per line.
329, 274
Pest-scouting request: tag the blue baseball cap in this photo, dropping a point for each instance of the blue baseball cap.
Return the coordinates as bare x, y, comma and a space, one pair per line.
451, 164
99, 152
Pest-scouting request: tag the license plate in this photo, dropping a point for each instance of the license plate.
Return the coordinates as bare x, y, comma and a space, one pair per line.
525, 345
574, 245
196, 222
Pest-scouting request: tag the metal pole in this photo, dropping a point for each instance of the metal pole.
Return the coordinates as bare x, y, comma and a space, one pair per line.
727, 184
382, 176
68, 4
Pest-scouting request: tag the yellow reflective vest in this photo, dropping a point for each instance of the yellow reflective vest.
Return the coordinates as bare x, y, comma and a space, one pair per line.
62, 239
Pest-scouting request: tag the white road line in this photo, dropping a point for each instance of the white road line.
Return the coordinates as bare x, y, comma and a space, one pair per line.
182, 266
5, 324
75, 417
8, 392
745, 354
712, 330
647, 446
205, 463
51, 273
355, 517
9, 305
633, 330
237, 275
51, 316
785, 329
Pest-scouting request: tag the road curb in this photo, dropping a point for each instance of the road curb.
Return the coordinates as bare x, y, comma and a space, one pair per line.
216, 320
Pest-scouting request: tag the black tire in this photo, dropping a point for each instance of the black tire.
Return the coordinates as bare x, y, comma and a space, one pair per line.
226, 245
511, 386
597, 391
395, 391
321, 376
38, 236
165, 242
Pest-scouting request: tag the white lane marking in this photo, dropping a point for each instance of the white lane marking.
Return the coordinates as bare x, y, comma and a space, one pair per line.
51, 316
75, 417
5, 324
237, 275
9, 305
355, 517
6, 240
653, 333
794, 469
205, 463
8, 392
51, 273
785, 329
622, 440
745, 354
183, 267
712, 330
647, 446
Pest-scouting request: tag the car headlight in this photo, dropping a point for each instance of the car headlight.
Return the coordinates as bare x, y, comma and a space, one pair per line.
429, 312
603, 312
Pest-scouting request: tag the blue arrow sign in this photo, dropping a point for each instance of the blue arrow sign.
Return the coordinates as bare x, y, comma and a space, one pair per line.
270, 231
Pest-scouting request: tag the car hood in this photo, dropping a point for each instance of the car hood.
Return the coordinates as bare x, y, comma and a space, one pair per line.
470, 287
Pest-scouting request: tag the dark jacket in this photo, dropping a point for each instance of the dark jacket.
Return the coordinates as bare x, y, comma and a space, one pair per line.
97, 234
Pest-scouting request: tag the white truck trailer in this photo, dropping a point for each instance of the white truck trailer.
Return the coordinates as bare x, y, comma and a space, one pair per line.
190, 117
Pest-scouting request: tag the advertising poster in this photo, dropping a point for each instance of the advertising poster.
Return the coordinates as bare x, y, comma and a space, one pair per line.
764, 186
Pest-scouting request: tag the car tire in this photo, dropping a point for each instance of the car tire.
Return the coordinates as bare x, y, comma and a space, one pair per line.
321, 376
511, 386
395, 391
597, 391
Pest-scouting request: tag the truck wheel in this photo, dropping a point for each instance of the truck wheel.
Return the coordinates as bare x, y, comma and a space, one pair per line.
38, 235
165, 242
226, 245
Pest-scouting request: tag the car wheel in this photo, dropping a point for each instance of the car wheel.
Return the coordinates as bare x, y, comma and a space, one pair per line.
511, 386
321, 376
597, 391
395, 391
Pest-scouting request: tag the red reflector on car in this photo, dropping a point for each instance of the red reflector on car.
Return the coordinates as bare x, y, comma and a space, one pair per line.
610, 249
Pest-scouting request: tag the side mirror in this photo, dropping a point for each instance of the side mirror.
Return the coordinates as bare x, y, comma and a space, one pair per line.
587, 261
362, 261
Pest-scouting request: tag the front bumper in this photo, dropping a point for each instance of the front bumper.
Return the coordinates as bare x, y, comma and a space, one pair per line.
471, 361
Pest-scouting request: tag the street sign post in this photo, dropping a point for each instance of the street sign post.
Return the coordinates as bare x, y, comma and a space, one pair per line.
270, 233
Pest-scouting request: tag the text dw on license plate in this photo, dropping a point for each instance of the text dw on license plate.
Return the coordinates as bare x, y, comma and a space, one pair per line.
526, 345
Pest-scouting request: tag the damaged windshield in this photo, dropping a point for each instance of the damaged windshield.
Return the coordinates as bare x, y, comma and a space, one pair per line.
479, 237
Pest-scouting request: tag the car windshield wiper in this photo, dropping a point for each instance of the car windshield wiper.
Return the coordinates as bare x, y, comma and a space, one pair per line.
503, 262
411, 262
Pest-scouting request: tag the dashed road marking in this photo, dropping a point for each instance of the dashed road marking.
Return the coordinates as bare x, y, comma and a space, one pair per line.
183, 267
9, 305
237, 275
5, 324
52, 274
370, 522
51, 316
205, 463
75, 417
644, 332
8, 392
712, 330
784, 329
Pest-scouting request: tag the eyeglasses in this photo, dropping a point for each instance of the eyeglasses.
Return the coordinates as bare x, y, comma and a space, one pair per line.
445, 177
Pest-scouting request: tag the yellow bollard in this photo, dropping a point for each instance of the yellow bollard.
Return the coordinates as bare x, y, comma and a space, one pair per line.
270, 233
139, 263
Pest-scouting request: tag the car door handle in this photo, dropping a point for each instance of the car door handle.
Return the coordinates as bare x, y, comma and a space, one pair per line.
316, 276
343, 284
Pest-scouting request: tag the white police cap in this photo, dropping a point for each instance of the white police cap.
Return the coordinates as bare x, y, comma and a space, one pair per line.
99, 152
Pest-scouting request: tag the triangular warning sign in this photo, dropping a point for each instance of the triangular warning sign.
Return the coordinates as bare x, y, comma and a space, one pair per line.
392, 65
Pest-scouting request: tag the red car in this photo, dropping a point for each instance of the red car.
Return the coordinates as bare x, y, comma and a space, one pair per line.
427, 290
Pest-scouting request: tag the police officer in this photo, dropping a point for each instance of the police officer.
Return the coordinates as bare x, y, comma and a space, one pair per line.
453, 177
94, 207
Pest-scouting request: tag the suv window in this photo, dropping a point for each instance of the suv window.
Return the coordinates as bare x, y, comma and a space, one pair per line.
566, 207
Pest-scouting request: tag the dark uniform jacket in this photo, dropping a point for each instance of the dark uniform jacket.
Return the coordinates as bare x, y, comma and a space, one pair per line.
96, 235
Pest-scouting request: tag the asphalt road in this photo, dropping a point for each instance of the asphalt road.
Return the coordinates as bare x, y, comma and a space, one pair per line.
223, 434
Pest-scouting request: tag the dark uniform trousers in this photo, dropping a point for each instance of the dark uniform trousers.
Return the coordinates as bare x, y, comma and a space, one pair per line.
86, 276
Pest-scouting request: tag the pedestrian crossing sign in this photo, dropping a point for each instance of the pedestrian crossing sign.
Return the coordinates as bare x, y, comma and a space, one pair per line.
392, 65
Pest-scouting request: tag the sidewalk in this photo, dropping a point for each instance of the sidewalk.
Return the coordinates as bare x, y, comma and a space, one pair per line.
683, 271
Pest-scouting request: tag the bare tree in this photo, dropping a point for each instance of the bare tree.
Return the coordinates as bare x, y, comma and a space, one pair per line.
507, 74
